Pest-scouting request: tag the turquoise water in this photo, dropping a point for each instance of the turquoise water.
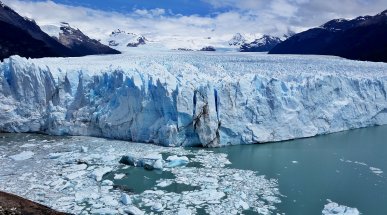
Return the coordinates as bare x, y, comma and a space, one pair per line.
321, 171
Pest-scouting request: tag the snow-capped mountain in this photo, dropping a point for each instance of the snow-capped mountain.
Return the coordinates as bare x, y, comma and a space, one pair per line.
237, 40
263, 44
22, 36
76, 40
121, 40
362, 38
124, 41
52, 30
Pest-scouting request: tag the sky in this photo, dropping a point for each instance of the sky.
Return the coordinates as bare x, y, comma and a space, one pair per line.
193, 18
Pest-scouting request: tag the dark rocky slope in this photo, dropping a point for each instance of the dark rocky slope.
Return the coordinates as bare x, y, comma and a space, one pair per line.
80, 43
22, 36
363, 38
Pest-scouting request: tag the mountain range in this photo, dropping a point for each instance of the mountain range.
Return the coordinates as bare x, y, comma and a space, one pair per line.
263, 44
22, 36
362, 38
77, 41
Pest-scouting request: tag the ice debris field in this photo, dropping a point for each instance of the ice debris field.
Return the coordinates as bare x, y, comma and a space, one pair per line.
191, 98
86, 175
82, 175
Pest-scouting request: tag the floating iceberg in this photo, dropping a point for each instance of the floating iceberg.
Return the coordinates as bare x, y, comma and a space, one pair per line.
175, 161
188, 99
333, 208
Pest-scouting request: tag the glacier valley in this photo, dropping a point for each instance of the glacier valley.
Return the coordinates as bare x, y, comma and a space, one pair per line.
191, 98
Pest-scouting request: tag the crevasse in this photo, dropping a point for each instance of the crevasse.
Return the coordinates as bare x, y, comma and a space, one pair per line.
176, 99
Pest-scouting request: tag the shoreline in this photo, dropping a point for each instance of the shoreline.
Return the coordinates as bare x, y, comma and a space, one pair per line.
13, 204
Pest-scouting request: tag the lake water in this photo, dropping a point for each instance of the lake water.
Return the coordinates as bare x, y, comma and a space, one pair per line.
345, 167
312, 170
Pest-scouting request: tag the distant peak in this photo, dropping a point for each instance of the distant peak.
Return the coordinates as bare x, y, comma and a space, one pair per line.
237, 40
65, 24
267, 36
118, 31
384, 13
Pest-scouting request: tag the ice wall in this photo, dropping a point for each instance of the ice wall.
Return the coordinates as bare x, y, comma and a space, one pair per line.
178, 100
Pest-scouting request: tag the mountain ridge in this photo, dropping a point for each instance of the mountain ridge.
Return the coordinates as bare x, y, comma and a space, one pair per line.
22, 36
362, 38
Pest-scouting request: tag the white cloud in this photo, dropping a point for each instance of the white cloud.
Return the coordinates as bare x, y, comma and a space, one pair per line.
153, 23
283, 8
313, 12
245, 16
150, 13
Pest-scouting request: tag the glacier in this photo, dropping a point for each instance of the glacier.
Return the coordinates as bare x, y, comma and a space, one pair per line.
191, 99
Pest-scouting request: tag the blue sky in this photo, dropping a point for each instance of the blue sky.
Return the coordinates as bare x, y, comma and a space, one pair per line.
183, 7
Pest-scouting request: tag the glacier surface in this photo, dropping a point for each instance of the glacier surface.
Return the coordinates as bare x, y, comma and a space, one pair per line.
186, 99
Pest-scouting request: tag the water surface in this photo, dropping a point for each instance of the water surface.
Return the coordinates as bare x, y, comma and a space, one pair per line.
312, 170
345, 167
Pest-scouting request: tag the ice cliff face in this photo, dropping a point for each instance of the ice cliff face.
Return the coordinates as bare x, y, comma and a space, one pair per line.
187, 99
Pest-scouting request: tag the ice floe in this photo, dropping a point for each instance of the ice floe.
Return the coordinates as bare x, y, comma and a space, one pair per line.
374, 170
333, 208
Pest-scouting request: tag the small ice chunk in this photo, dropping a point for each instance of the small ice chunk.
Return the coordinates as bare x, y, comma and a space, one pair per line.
130, 160
263, 211
133, 210
74, 168
332, 208
295, 162
244, 205
119, 176
360, 163
106, 211
375, 170
84, 149
22, 156
164, 183
175, 157
109, 200
98, 173
148, 165
27, 145
237, 177
208, 195
125, 199
184, 211
153, 156
175, 161
107, 183
157, 207
54, 155
158, 164
75, 175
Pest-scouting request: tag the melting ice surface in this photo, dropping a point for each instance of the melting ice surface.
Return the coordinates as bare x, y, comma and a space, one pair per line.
175, 98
